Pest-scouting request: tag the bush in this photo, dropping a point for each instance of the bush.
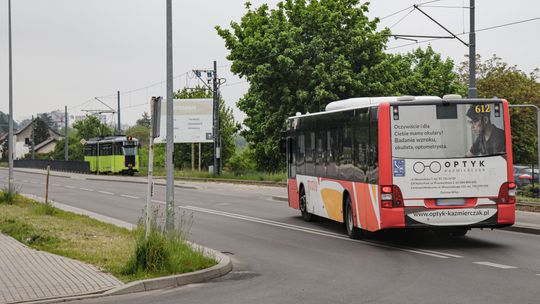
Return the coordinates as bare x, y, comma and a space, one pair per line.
528, 190
242, 163
45, 209
164, 252
8, 197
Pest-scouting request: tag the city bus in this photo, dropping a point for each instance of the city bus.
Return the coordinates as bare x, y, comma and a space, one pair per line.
383, 163
113, 154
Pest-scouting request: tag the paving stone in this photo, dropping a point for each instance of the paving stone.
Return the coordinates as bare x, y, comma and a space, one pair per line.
28, 275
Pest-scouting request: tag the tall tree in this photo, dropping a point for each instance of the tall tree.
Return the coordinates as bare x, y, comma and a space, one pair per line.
91, 127
41, 130
297, 58
497, 78
144, 121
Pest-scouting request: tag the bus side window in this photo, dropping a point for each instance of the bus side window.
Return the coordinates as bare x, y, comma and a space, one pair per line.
373, 167
301, 153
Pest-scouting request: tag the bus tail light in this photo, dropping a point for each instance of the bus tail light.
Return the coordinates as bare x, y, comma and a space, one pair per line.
391, 197
507, 193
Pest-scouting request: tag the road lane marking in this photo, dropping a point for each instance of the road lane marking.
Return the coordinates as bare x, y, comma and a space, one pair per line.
86, 189
129, 196
431, 253
57, 185
69, 187
495, 265
105, 192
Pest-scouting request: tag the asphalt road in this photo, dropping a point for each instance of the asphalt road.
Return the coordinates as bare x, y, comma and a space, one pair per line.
278, 258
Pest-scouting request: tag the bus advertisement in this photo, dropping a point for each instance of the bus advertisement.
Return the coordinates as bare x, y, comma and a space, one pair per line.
403, 162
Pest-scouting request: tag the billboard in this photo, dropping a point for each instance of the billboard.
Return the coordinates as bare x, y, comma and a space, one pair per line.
192, 121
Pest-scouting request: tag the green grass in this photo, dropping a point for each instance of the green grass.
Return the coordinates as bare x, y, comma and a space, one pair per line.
252, 176
106, 246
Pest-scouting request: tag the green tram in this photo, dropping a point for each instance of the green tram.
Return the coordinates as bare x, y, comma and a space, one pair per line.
115, 154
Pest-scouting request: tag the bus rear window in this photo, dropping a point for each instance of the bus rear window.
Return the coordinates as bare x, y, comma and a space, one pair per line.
447, 131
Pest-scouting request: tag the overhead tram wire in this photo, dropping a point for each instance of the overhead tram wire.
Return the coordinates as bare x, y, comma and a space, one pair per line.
408, 7
466, 33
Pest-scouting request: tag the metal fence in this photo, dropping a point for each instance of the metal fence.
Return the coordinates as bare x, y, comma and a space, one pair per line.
56, 165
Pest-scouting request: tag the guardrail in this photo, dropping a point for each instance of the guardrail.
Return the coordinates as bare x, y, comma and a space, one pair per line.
56, 165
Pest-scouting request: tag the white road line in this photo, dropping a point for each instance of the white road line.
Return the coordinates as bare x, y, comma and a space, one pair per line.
312, 231
69, 187
86, 189
129, 196
495, 265
57, 185
105, 192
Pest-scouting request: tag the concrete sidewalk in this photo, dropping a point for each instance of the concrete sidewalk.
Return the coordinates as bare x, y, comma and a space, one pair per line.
29, 275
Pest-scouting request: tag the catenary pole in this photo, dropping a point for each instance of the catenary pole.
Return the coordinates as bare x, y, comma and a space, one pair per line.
472, 54
169, 222
10, 123
66, 139
33, 145
217, 148
119, 125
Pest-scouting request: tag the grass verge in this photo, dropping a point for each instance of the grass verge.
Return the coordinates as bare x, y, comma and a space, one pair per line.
253, 176
106, 246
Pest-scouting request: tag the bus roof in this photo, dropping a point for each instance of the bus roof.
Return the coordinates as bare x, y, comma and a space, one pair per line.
362, 102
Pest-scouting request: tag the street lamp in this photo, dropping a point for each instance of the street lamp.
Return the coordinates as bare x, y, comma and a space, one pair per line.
537, 131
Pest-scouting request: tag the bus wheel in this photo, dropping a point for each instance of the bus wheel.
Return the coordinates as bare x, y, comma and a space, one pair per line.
352, 232
308, 217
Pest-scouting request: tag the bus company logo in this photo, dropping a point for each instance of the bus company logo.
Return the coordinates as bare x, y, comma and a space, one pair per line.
420, 167
399, 167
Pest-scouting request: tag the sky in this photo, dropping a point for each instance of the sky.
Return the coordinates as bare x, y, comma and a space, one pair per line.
66, 52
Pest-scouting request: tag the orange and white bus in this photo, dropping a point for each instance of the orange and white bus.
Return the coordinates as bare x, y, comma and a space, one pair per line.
403, 162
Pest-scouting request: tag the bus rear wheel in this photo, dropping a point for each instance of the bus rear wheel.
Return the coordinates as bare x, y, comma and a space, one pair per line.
308, 217
352, 232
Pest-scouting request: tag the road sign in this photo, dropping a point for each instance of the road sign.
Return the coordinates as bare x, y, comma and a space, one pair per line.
83, 141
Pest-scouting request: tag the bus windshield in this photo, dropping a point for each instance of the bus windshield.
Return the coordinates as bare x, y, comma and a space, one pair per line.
447, 130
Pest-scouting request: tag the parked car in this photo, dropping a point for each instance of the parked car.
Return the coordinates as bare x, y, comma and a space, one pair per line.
524, 175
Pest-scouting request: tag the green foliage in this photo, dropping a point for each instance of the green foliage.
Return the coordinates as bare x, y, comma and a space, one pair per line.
75, 149
418, 73
140, 132
91, 127
27, 234
242, 162
498, 78
164, 252
303, 54
528, 191
45, 209
144, 121
41, 131
8, 197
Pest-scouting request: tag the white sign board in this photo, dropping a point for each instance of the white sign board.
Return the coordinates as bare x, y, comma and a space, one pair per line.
192, 121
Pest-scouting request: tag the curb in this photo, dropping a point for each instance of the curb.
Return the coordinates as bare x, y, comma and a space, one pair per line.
233, 181
223, 267
138, 182
523, 229
280, 198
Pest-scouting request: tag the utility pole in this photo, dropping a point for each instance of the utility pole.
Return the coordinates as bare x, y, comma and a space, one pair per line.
119, 125
33, 138
66, 138
10, 124
217, 146
169, 222
472, 54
